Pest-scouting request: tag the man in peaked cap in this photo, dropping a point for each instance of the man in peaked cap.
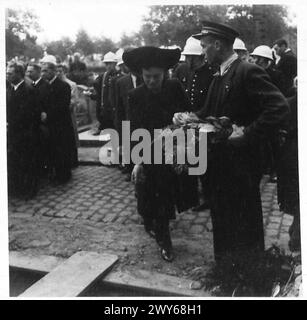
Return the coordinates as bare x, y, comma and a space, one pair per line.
244, 93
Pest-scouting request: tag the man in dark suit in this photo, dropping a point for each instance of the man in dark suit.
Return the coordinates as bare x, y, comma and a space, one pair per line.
287, 63
42, 92
23, 118
59, 124
123, 86
244, 93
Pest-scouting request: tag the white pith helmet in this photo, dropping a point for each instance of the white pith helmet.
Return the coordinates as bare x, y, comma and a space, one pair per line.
109, 57
263, 51
239, 45
48, 59
119, 56
192, 47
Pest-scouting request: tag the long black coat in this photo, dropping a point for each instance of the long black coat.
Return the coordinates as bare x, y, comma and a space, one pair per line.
123, 86
288, 66
104, 105
42, 92
287, 165
161, 188
246, 95
23, 116
61, 128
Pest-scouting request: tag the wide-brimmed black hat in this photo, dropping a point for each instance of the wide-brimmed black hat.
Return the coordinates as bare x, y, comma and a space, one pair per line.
218, 29
147, 57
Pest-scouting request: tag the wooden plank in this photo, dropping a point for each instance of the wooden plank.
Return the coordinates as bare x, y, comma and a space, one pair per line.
143, 279
73, 276
139, 279
29, 262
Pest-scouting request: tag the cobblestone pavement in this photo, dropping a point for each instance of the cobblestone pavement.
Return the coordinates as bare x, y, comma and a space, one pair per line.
96, 211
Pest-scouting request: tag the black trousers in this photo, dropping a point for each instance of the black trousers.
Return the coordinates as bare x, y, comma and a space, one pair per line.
235, 202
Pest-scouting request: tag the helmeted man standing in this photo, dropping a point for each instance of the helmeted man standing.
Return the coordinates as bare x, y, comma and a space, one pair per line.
244, 93
200, 73
263, 57
198, 79
102, 95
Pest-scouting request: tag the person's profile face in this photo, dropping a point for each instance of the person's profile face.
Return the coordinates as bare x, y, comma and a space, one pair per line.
32, 73
209, 49
60, 72
153, 78
47, 73
277, 49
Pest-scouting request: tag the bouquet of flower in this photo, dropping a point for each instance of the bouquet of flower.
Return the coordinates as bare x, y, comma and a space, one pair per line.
217, 130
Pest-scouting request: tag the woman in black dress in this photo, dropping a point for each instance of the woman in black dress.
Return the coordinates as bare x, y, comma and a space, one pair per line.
152, 106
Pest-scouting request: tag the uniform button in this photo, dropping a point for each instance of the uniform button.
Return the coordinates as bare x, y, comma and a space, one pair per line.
193, 80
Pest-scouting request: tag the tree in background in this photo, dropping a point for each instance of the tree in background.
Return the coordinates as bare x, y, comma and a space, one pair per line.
164, 25
130, 40
104, 45
84, 43
62, 47
259, 24
20, 34
172, 25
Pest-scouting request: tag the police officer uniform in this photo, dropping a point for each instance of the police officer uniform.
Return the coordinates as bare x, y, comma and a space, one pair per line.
244, 93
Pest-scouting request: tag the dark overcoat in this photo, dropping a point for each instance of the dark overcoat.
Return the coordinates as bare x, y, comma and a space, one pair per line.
42, 91
103, 97
246, 95
61, 128
123, 86
23, 116
161, 187
287, 165
287, 64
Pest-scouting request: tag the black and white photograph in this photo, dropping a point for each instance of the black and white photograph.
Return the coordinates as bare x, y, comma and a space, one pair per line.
151, 149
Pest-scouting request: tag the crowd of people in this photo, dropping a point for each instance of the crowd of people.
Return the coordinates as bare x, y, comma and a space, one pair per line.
214, 76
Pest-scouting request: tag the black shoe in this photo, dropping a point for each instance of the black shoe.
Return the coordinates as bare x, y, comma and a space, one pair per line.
167, 255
